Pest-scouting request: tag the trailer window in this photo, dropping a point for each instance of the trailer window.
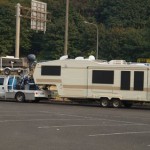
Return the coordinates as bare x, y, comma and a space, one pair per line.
138, 80
51, 70
1, 81
103, 77
125, 80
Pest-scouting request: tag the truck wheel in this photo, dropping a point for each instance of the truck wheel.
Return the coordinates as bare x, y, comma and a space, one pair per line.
116, 103
104, 102
127, 104
20, 97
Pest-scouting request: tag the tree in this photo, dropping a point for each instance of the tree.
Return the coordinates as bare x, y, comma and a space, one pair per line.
124, 29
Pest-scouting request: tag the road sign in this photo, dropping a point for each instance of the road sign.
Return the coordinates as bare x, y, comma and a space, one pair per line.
38, 15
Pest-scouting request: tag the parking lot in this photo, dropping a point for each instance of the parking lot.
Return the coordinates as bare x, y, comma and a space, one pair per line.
46, 126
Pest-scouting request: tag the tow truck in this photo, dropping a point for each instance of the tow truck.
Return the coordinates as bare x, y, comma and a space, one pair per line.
21, 89
17, 83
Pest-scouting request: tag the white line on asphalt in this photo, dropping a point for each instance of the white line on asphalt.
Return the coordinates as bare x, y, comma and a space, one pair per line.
31, 120
70, 115
121, 133
119, 116
68, 126
93, 118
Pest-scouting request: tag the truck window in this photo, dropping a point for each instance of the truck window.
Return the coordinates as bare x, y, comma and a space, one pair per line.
103, 77
138, 80
51, 70
10, 82
125, 80
1, 81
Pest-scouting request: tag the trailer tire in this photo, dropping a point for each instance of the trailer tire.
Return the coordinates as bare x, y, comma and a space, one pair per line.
104, 102
116, 103
20, 97
7, 71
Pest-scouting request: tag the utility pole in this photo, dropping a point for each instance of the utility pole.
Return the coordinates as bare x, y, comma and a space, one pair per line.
17, 30
66, 28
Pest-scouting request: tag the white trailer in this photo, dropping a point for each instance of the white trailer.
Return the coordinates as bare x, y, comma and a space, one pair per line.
14, 87
110, 83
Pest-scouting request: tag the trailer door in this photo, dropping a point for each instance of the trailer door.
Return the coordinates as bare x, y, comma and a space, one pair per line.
148, 85
2, 90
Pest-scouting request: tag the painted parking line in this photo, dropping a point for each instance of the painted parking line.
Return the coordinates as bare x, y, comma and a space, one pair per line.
76, 117
91, 118
77, 125
32, 120
121, 133
95, 118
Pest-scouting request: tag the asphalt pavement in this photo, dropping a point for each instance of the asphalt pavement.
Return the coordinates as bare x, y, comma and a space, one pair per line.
47, 126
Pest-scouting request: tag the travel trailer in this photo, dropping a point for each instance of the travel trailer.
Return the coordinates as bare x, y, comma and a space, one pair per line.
110, 83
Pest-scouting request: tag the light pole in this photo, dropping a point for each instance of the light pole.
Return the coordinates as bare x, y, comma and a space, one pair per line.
97, 36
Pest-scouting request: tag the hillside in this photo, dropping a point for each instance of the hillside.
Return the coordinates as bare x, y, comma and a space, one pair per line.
124, 29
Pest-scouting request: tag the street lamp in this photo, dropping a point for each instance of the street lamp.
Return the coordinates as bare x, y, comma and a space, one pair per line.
97, 35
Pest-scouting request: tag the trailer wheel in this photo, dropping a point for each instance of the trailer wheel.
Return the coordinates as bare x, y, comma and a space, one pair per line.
20, 97
104, 102
6, 71
116, 103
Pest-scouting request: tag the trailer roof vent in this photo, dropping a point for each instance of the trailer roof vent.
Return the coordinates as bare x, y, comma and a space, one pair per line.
91, 57
120, 62
64, 57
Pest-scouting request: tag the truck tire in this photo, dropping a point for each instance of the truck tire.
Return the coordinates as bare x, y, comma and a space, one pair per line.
116, 103
104, 102
20, 97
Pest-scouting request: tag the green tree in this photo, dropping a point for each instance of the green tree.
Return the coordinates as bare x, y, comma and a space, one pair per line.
7, 30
